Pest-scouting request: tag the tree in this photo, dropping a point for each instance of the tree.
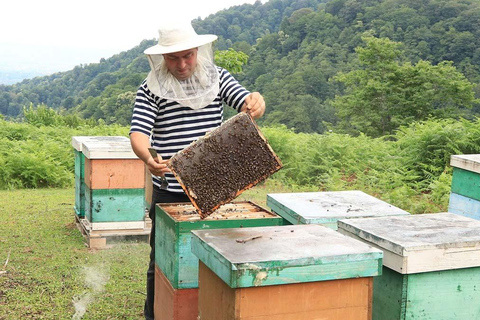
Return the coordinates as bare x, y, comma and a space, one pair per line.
231, 60
387, 93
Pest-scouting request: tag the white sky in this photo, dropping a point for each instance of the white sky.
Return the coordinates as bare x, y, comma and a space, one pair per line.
56, 35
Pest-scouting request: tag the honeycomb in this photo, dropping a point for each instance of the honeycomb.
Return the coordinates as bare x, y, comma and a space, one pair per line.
218, 167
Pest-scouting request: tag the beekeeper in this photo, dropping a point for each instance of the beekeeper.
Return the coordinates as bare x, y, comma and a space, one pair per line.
181, 99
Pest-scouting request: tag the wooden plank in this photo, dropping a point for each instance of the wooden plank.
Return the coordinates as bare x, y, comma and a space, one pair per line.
345, 299
108, 149
442, 295
171, 303
174, 223
79, 141
79, 197
464, 206
470, 162
326, 208
389, 295
420, 243
114, 174
114, 205
242, 158
97, 239
148, 187
466, 183
79, 164
263, 256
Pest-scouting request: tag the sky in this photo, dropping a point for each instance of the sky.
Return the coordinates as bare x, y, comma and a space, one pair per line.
56, 35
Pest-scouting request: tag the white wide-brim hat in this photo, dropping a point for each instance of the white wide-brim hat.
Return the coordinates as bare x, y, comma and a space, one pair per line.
179, 37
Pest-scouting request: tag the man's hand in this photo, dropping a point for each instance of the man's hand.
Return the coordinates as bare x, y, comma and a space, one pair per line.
157, 166
254, 105
140, 144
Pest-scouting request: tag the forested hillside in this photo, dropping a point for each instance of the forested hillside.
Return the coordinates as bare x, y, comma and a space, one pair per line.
348, 66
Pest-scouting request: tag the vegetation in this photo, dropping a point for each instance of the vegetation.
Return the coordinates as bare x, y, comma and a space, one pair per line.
409, 169
46, 271
314, 61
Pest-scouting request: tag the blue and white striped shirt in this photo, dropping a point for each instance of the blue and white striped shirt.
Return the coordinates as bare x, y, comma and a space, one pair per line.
172, 127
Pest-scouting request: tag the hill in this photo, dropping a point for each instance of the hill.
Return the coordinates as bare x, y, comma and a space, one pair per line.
296, 48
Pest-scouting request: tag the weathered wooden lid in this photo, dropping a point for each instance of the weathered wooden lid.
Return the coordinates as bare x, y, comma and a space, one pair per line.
328, 207
77, 141
116, 147
263, 256
218, 167
470, 162
420, 242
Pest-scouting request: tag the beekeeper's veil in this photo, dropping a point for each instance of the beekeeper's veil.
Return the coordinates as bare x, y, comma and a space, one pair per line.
202, 87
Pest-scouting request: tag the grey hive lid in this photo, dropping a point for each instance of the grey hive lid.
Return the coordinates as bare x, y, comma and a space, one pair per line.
325, 207
245, 257
78, 141
421, 242
470, 162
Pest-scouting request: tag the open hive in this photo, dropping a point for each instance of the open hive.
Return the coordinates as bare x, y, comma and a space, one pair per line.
218, 167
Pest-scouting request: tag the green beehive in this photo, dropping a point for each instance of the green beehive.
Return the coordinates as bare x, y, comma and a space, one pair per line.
174, 223
326, 208
465, 190
431, 265
284, 272
78, 145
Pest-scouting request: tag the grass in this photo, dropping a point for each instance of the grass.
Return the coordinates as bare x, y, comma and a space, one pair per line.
51, 274
47, 271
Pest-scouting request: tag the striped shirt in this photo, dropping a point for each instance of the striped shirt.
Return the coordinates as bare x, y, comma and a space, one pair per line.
172, 127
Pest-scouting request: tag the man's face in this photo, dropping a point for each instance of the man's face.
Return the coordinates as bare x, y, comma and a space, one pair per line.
181, 64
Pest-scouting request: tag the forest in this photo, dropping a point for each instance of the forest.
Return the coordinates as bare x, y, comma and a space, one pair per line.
348, 66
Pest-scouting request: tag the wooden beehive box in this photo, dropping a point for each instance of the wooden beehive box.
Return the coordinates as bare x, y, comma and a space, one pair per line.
465, 189
77, 143
114, 184
216, 168
174, 223
326, 208
287, 272
431, 265
171, 303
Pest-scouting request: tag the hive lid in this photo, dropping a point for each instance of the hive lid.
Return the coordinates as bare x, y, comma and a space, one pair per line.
328, 207
218, 167
78, 141
420, 242
470, 162
262, 256
104, 148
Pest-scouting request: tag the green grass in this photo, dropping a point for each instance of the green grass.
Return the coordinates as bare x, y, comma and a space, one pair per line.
51, 274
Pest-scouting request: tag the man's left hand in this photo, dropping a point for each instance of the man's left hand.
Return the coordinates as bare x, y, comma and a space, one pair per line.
254, 105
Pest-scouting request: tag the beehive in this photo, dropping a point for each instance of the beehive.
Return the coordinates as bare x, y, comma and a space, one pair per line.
109, 190
176, 279
114, 183
431, 265
286, 272
216, 168
326, 208
465, 189
77, 143
174, 223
